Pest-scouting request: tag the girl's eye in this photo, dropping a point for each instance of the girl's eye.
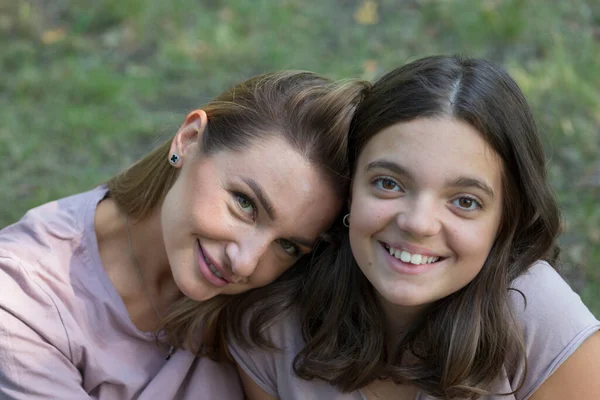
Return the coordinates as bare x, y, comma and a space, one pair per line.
289, 247
387, 184
467, 203
245, 204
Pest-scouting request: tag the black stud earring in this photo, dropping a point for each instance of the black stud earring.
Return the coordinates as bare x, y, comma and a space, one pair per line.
173, 159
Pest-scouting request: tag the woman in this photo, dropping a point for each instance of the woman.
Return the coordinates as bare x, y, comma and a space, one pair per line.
443, 286
100, 289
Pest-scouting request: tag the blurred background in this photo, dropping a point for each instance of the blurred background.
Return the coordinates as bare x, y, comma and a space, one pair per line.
87, 87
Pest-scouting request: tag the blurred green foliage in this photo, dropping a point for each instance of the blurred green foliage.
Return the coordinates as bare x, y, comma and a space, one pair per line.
89, 86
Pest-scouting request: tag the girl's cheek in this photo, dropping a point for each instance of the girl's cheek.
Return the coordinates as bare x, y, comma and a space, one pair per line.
371, 215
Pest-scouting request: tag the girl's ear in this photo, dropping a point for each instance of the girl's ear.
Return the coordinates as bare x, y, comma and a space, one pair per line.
349, 201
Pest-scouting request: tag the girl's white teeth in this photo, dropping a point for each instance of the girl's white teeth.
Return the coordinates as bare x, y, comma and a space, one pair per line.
213, 269
416, 259
407, 257
404, 255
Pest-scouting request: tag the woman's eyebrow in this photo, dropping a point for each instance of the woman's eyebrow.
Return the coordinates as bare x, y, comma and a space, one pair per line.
262, 197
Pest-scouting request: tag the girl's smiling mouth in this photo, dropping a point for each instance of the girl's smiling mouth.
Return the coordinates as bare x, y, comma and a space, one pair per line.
413, 258
406, 262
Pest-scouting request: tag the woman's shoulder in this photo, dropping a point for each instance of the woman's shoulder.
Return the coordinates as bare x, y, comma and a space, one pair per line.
37, 258
47, 231
63, 217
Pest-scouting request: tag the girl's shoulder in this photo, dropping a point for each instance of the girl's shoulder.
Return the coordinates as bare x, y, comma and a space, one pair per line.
283, 333
541, 298
554, 321
273, 369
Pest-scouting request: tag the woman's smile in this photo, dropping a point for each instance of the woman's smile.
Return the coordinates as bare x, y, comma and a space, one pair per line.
209, 270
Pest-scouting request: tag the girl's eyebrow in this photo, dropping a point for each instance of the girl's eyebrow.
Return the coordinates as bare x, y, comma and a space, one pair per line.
383, 163
467, 182
462, 181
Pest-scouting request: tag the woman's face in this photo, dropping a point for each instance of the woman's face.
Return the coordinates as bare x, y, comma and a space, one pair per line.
234, 221
426, 207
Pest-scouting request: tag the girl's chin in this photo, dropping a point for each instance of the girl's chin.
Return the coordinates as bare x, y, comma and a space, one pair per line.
402, 298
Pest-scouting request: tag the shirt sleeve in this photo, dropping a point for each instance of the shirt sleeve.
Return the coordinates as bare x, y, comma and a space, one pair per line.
34, 349
271, 369
555, 323
258, 363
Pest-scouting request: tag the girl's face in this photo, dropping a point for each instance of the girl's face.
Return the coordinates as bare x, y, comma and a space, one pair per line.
426, 207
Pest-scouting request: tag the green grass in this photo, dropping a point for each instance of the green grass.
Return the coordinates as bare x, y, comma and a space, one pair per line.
88, 87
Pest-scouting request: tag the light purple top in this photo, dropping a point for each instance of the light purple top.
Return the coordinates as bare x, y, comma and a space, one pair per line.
555, 322
65, 332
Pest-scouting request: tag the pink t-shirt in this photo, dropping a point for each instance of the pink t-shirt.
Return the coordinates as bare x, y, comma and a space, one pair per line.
555, 324
65, 332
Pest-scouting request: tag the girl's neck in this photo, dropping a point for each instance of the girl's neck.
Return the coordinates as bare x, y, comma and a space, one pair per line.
399, 318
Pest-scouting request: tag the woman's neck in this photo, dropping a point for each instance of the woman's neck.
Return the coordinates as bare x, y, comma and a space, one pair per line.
138, 269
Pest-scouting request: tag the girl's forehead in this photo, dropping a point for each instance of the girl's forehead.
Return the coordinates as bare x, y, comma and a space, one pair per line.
436, 147
430, 134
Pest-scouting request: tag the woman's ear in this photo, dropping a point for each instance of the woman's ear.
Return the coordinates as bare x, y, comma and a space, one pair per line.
187, 136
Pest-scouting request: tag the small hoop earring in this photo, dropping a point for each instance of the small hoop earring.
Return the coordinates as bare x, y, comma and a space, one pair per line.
345, 220
173, 159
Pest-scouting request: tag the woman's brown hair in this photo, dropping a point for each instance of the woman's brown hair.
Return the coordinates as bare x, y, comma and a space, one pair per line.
309, 111
466, 340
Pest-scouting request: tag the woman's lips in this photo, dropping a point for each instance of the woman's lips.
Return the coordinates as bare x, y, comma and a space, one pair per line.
206, 271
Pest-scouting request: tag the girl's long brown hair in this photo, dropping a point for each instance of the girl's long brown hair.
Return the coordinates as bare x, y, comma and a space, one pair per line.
466, 340
309, 111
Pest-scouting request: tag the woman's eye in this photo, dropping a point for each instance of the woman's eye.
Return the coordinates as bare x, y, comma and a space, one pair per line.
245, 204
289, 247
467, 203
387, 184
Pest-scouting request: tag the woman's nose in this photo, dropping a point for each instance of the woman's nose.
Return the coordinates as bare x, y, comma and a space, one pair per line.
245, 255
